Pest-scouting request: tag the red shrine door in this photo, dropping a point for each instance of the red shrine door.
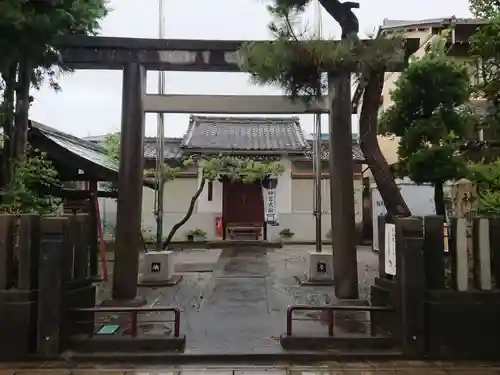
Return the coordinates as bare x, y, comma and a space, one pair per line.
242, 209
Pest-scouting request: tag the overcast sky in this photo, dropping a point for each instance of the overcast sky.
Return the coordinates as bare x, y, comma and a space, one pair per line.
91, 100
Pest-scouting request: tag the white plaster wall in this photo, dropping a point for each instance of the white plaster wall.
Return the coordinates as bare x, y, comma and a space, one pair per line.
303, 202
179, 192
213, 206
283, 193
302, 224
205, 221
177, 196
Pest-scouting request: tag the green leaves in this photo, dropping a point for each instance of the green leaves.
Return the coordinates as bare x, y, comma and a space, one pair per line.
487, 179
112, 145
212, 167
430, 117
484, 8
486, 176
295, 60
28, 29
485, 45
30, 189
240, 169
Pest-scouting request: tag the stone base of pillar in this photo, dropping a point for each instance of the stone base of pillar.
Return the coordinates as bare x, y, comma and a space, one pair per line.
134, 302
174, 280
319, 269
158, 269
353, 302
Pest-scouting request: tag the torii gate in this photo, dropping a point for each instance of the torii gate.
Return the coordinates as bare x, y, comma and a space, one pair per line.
135, 56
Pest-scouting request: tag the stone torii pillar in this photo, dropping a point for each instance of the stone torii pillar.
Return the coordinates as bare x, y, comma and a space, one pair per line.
345, 268
130, 185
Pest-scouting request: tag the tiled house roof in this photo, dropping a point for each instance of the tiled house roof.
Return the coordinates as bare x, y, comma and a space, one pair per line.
357, 154
171, 148
444, 21
85, 149
244, 134
264, 134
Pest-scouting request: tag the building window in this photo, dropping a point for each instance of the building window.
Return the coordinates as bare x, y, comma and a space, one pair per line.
210, 192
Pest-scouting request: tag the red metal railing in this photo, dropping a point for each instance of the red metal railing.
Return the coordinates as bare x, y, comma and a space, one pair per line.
331, 315
134, 312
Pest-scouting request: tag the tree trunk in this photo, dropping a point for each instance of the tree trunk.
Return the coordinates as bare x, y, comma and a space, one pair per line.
20, 133
189, 212
7, 122
439, 199
368, 126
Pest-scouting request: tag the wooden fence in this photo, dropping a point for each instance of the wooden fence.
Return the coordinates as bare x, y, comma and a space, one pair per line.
45, 269
447, 302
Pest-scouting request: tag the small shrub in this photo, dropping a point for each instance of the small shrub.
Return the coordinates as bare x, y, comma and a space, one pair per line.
196, 233
286, 233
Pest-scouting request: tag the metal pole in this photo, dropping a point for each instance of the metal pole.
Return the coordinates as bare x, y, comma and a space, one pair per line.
317, 179
160, 153
317, 150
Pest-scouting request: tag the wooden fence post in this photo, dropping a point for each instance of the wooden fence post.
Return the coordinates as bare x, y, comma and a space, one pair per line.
381, 246
81, 245
93, 231
51, 280
434, 252
411, 277
495, 250
482, 254
6, 225
29, 252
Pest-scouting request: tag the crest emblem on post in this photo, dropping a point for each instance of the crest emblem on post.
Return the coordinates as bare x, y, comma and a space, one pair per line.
155, 267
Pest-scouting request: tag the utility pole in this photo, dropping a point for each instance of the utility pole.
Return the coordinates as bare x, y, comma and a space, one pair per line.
317, 147
160, 152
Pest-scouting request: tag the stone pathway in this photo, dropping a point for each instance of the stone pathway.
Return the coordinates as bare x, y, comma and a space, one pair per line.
240, 307
360, 368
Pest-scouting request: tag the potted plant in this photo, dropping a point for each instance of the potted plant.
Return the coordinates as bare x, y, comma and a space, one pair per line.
196, 235
286, 234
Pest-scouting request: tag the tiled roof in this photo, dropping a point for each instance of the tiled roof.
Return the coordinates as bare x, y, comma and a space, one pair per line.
387, 23
357, 154
81, 147
171, 148
245, 134
89, 150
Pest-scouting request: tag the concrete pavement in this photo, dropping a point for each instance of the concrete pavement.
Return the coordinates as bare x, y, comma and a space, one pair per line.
347, 368
240, 306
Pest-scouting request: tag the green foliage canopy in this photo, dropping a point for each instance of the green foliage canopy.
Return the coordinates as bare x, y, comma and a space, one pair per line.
430, 116
484, 8
241, 169
30, 189
485, 45
487, 180
295, 59
28, 29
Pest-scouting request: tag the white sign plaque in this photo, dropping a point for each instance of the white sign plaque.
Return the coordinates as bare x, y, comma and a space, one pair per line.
390, 249
271, 213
